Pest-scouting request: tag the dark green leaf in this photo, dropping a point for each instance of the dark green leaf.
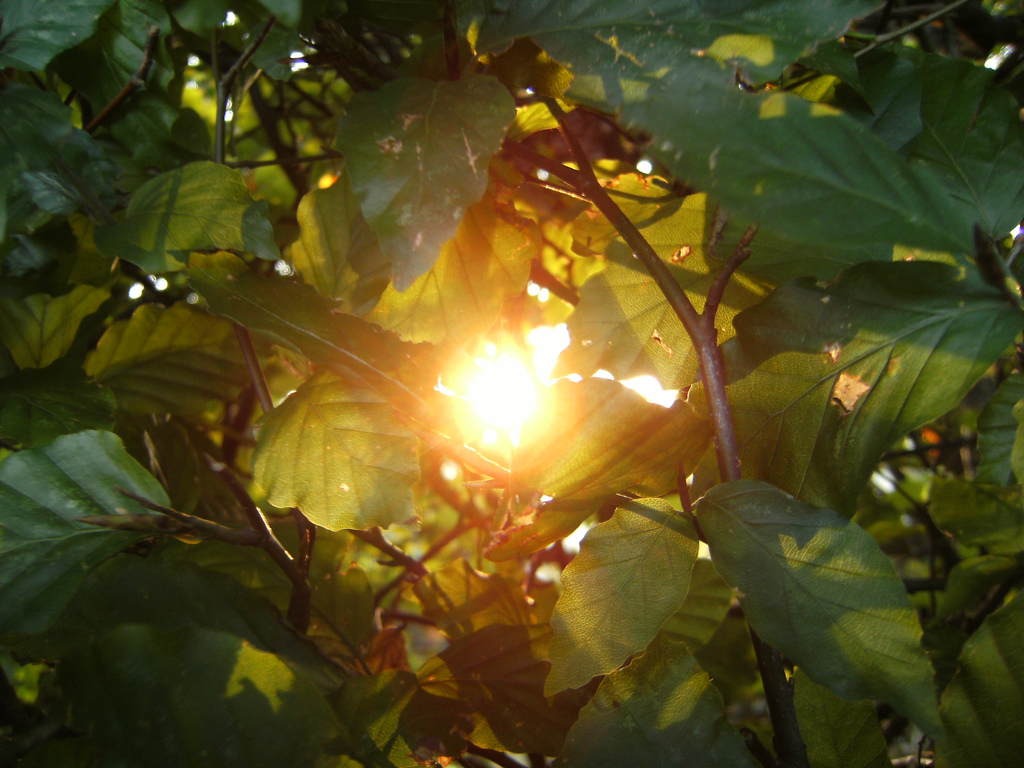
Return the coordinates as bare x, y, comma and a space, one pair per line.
971, 579
982, 705
701, 613
193, 697
631, 574
818, 588
848, 368
499, 670
661, 711
44, 551
337, 452
486, 263
38, 405
173, 360
39, 329
997, 430
336, 252
838, 734
764, 156
593, 438
417, 153
391, 723
976, 514
893, 92
343, 605
201, 207
462, 600
33, 33
274, 54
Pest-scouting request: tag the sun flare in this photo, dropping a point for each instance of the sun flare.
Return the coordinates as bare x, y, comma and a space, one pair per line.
503, 393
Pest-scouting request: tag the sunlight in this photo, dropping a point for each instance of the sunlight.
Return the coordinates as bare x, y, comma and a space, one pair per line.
503, 393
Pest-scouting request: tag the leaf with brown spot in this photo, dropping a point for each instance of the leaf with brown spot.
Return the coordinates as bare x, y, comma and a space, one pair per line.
848, 391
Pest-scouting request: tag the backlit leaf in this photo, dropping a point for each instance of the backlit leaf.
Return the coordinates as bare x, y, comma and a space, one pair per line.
631, 574
838, 734
487, 262
417, 153
661, 711
593, 438
982, 705
169, 360
846, 369
201, 207
976, 514
193, 697
817, 587
338, 453
34, 33
701, 613
37, 405
44, 551
39, 329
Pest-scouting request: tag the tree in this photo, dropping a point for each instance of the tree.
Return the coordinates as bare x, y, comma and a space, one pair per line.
258, 269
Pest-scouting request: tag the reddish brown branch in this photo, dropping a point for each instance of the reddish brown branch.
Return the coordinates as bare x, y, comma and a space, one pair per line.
136, 81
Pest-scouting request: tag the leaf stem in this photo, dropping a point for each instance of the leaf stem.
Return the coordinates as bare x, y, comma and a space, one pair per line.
136, 81
225, 83
922, 22
252, 363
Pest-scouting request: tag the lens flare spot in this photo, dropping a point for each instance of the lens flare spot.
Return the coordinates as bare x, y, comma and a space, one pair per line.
503, 393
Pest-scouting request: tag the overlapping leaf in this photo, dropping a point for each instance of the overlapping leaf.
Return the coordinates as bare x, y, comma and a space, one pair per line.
486, 263
336, 252
38, 405
660, 711
499, 670
592, 438
337, 452
193, 696
201, 207
632, 572
623, 323
768, 157
698, 618
982, 705
997, 431
44, 551
169, 360
817, 587
838, 734
975, 513
39, 329
857, 364
34, 33
417, 153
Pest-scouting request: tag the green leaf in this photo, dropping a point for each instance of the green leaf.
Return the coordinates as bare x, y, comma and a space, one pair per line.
34, 33
631, 574
537, 529
970, 580
336, 252
701, 613
173, 360
40, 329
337, 452
417, 153
37, 406
818, 588
193, 697
391, 723
623, 323
660, 711
838, 734
976, 514
343, 606
893, 91
844, 370
499, 670
295, 315
201, 207
982, 705
997, 430
462, 600
44, 551
173, 594
486, 263
593, 438
763, 156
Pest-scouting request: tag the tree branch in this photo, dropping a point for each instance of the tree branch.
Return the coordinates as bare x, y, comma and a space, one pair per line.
227, 82
136, 81
922, 22
252, 363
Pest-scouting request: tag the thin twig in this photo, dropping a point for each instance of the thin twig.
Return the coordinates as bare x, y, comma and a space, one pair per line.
922, 22
451, 42
284, 161
375, 538
204, 529
227, 82
757, 749
545, 279
717, 289
136, 81
252, 363
570, 176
